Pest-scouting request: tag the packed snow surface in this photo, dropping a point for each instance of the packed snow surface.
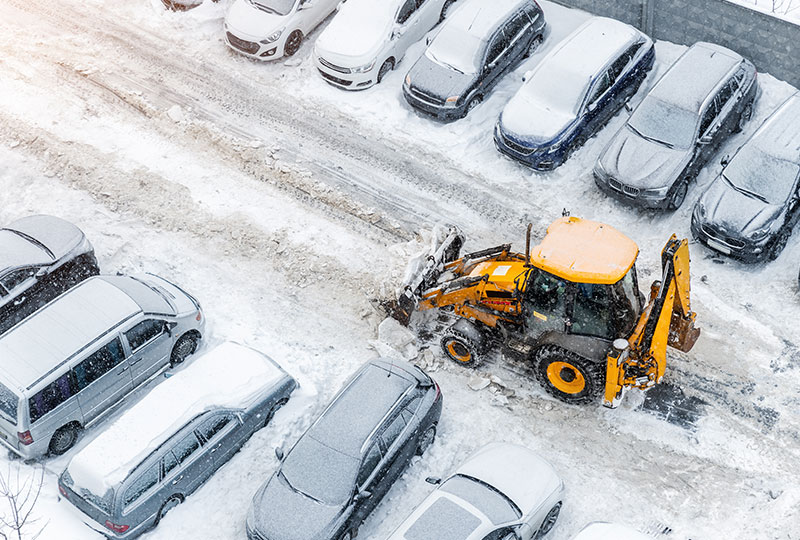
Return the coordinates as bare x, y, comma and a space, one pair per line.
228, 376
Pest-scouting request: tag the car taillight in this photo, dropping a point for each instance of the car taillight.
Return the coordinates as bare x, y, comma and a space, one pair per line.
117, 528
62, 490
25, 437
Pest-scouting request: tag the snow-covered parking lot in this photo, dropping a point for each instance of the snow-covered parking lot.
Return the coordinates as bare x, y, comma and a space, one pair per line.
289, 207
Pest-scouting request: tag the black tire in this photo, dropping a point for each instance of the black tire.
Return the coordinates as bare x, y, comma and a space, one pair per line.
461, 349
63, 439
183, 348
779, 244
747, 114
426, 440
549, 521
387, 66
534, 46
168, 505
293, 43
445, 9
677, 195
568, 376
271, 414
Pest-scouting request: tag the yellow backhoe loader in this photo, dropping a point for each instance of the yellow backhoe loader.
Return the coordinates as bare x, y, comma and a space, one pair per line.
571, 305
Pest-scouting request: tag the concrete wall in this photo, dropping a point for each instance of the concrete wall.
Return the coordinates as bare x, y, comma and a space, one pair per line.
771, 43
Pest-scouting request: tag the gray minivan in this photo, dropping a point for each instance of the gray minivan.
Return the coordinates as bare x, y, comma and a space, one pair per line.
64, 366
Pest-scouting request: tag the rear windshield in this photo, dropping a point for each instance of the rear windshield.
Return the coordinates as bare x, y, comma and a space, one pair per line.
9, 402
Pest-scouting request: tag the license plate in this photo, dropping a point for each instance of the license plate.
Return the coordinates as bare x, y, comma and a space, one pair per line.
718, 246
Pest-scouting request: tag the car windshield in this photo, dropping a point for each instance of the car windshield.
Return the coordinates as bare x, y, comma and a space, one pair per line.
491, 502
559, 90
664, 123
456, 49
320, 472
443, 520
278, 7
761, 175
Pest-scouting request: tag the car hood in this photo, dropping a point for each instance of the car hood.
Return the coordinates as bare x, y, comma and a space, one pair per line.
533, 122
735, 213
437, 80
356, 33
284, 514
635, 161
247, 21
59, 236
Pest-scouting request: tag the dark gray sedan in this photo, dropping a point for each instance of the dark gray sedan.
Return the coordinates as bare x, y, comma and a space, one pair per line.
40, 257
706, 95
341, 468
749, 211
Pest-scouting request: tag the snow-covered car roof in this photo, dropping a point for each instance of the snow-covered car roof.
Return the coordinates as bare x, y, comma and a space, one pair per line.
230, 376
479, 18
693, 76
610, 531
527, 483
59, 330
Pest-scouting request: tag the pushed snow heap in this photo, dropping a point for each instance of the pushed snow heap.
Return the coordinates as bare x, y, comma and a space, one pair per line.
230, 375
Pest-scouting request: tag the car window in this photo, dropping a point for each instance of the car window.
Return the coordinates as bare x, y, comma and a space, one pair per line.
406, 11
13, 279
186, 447
708, 116
50, 397
213, 425
496, 46
143, 333
603, 83
393, 431
98, 364
140, 486
371, 460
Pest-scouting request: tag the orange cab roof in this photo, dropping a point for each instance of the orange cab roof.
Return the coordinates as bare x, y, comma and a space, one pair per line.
584, 251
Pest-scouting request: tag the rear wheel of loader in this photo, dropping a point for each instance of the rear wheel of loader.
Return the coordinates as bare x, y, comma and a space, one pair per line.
461, 349
568, 376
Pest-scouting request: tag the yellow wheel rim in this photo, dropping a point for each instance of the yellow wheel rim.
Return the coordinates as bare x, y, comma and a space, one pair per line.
566, 377
458, 352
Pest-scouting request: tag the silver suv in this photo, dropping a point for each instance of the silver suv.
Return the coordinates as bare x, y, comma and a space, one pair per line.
67, 364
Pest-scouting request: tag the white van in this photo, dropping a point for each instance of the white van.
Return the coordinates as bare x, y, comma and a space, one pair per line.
67, 364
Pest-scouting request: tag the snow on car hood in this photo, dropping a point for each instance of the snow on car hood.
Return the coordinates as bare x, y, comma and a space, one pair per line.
736, 213
282, 513
635, 161
246, 20
533, 121
359, 29
437, 80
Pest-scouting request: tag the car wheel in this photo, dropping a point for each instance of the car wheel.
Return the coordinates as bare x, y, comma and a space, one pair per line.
293, 42
63, 439
568, 376
170, 503
385, 69
678, 195
745, 117
185, 346
445, 9
460, 349
534, 46
271, 414
779, 244
426, 440
549, 520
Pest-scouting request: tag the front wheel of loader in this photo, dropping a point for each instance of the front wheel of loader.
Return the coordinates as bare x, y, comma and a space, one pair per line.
568, 376
461, 349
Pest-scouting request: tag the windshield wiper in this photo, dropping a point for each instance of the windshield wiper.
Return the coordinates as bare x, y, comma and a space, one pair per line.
651, 139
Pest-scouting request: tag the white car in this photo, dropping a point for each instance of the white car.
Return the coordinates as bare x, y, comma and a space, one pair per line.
368, 38
502, 492
610, 531
270, 29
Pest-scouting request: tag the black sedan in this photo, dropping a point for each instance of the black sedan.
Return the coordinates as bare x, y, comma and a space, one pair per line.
342, 467
750, 209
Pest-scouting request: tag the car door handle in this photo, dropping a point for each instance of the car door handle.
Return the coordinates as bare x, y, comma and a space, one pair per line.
178, 479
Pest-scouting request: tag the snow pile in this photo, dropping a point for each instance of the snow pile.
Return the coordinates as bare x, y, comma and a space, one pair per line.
230, 375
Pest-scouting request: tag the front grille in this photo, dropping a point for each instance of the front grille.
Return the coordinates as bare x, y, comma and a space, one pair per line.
515, 146
337, 80
334, 67
425, 96
623, 188
729, 241
243, 45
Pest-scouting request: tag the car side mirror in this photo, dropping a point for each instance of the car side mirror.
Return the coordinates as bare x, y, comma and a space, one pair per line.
527, 76
725, 160
434, 480
41, 272
279, 453
363, 495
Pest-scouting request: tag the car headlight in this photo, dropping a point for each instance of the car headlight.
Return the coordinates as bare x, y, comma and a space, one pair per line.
364, 68
656, 192
272, 37
759, 234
